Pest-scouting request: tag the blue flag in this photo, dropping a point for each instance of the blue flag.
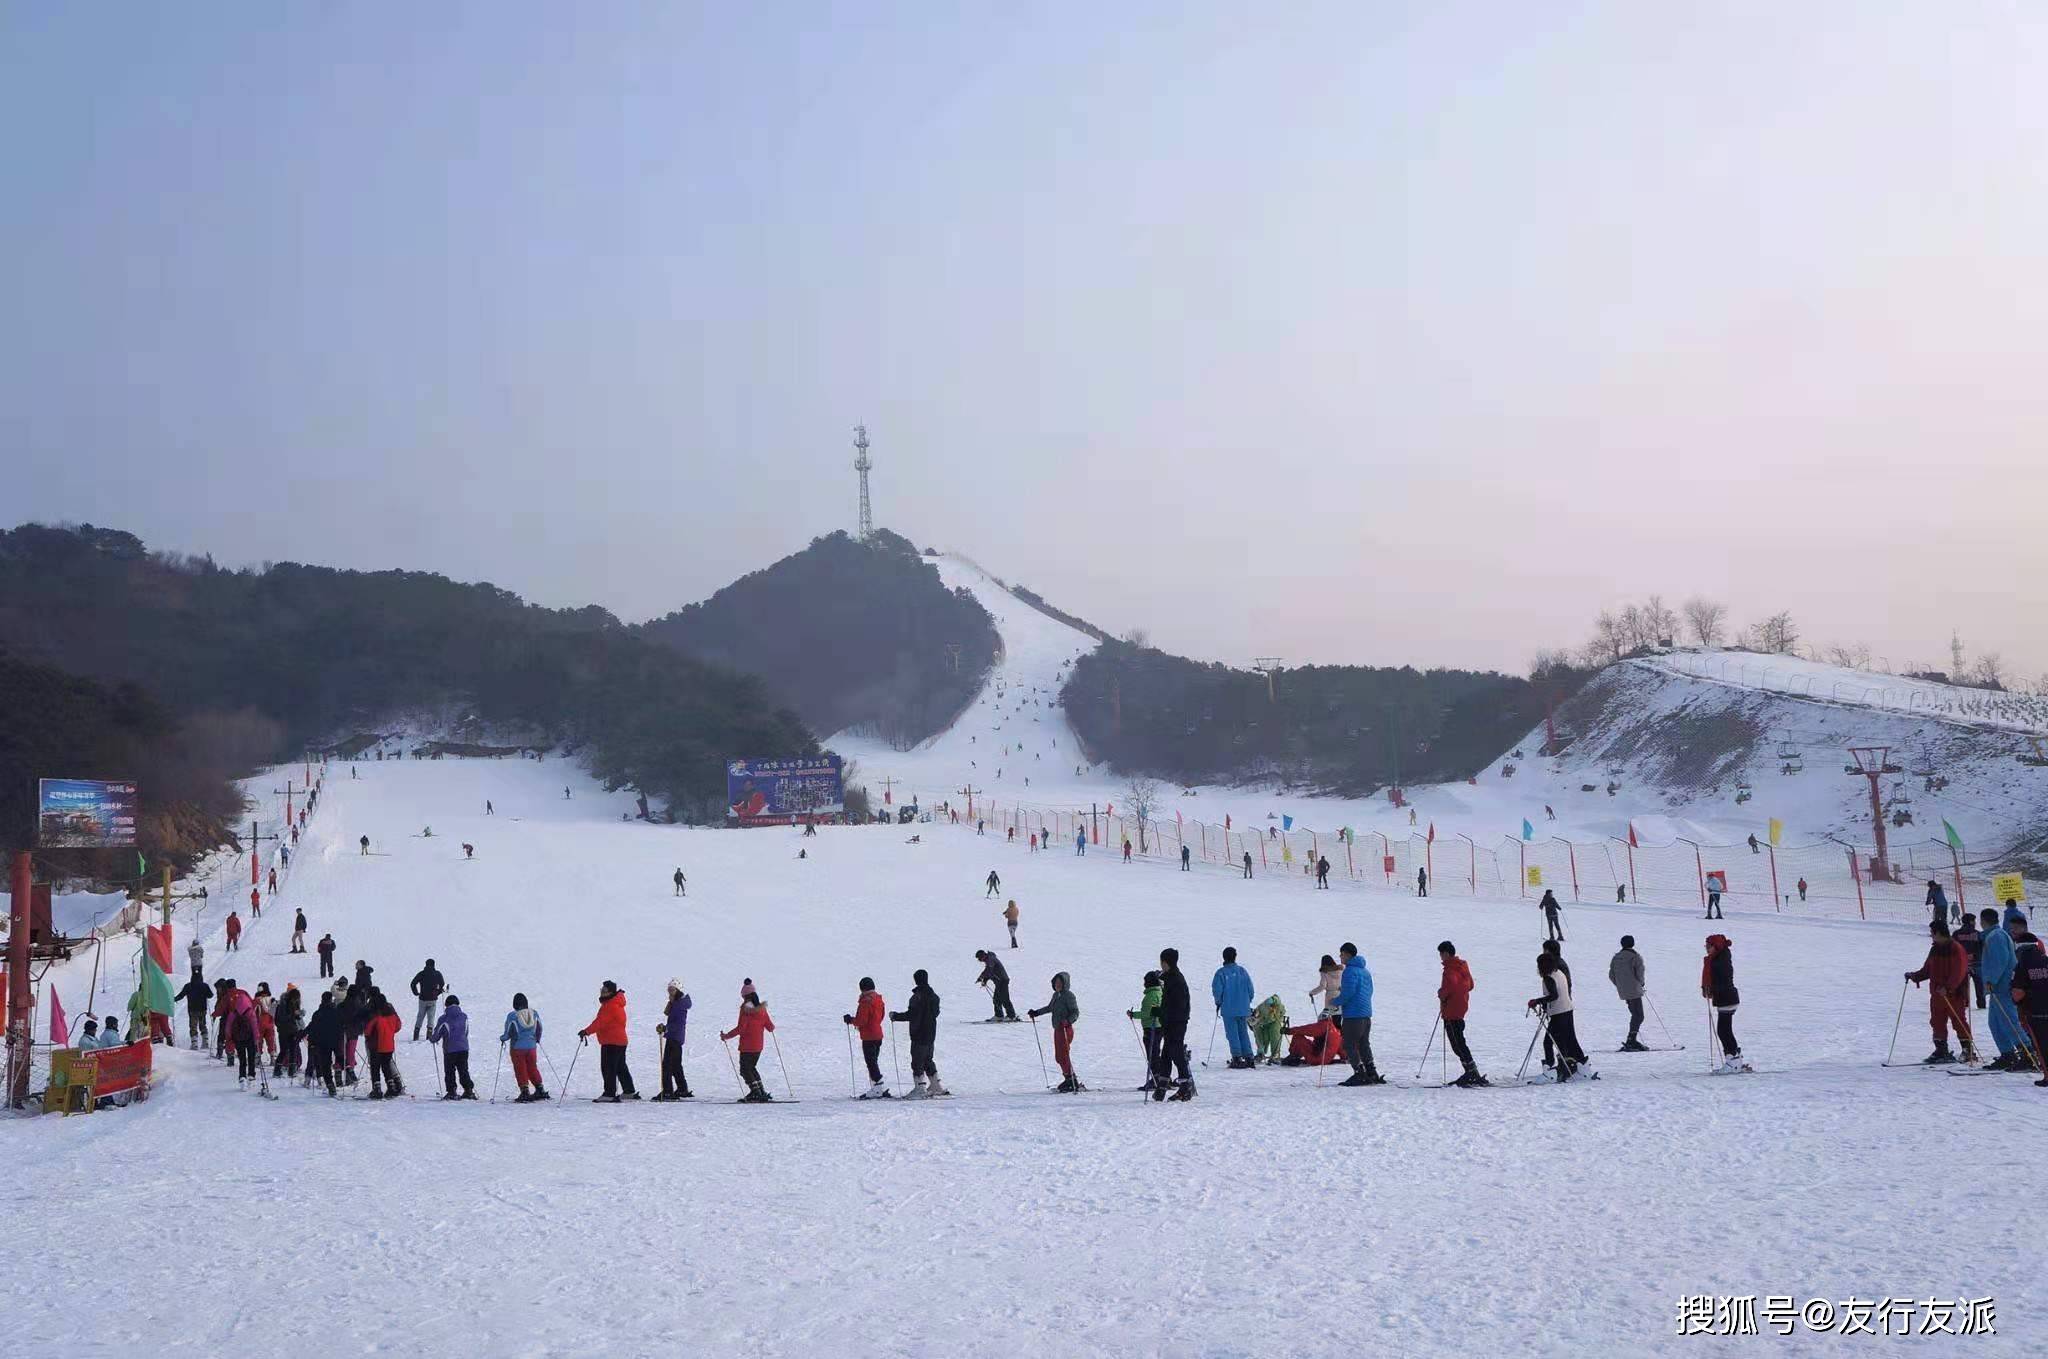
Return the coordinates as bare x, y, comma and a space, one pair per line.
1528, 831
1286, 823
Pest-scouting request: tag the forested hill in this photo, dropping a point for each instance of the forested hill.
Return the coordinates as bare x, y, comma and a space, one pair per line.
1342, 729
316, 650
850, 634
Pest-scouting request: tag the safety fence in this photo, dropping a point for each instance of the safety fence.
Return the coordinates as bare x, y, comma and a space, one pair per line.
1823, 880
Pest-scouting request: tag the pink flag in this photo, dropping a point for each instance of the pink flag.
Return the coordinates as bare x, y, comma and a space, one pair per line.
60, 1032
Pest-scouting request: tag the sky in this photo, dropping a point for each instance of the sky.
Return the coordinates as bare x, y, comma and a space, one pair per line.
1378, 333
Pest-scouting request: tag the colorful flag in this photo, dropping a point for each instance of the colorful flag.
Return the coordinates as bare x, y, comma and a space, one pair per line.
1777, 832
1287, 823
1632, 836
60, 1032
1955, 842
157, 993
1431, 837
1528, 831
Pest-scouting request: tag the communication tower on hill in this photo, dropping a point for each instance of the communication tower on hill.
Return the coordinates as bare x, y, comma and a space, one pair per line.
861, 464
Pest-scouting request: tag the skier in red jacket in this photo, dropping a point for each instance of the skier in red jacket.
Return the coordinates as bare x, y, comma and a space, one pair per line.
234, 930
1947, 973
381, 1029
609, 1027
866, 1019
1318, 1043
753, 1022
1454, 998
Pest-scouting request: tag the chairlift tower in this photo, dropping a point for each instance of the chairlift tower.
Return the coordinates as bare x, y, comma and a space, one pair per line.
862, 463
1268, 666
1873, 763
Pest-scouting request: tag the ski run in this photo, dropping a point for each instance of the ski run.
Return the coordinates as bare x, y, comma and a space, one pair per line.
1277, 1211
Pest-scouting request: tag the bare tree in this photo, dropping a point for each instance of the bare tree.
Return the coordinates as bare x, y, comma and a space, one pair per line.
1635, 626
1610, 638
1141, 797
1139, 638
1778, 635
1661, 622
1707, 619
1989, 671
1548, 662
1854, 656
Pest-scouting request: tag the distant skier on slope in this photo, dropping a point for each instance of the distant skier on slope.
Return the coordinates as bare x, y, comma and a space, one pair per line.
681, 883
866, 1022
993, 883
1010, 914
1550, 908
1183, 858
1937, 900
1422, 882
1322, 871
1080, 843
1247, 865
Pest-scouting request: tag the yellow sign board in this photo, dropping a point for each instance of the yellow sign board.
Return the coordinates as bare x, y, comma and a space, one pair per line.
2008, 887
1535, 872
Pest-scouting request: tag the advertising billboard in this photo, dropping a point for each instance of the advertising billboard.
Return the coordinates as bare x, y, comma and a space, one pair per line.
85, 814
775, 792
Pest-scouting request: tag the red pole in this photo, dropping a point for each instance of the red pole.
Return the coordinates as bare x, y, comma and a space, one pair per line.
253, 843
1573, 855
21, 1005
1429, 858
1777, 902
1700, 864
1859, 885
1632, 869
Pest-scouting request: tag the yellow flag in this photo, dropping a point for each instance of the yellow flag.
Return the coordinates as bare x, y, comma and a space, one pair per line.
1777, 832
1535, 875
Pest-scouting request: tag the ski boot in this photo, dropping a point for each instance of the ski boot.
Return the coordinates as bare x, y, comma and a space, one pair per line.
917, 1090
540, 1094
605, 1099
1068, 1085
523, 1097
631, 1094
1735, 1063
759, 1095
1632, 1045
935, 1089
1941, 1056
1184, 1092
469, 1093
376, 1093
1471, 1080
877, 1090
1159, 1092
665, 1097
451, 1095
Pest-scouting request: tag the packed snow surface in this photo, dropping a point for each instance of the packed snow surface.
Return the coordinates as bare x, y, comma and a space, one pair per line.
1269, 1216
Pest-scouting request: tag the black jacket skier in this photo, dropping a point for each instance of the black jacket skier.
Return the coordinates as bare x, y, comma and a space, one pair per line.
1174, 1009
922, 1014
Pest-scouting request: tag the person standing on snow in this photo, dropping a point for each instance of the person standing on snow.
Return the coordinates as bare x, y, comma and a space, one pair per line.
994, 974
923, 1018
290, 1022
682, 883
1010, 919
299, 931
381, 1032
1550, 910
1454, 1000
1247, 865
451, 1031
522, 1033
993, 883
196, 995
1184, 859
1625, 969
609, 1027
323, 1043
753, 1022
325, 948
673, 1030
1422, 882
1175, 1008
1065, 1011
1232, 988
1555, 1006
1937, 901
365, 843
866, 1022
1080, 840
1717, 985
1354, 1002
2030, 991
234, 932
1323, 872
2000, 957
1947, 972
427, 985
1147, 1018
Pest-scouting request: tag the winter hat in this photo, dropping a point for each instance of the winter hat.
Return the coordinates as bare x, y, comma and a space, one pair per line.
610, 987
867, 983
746, 987
1447, 947
1628, 941
920, 976
1153, 978
451, 1002
675, 984
1716, 941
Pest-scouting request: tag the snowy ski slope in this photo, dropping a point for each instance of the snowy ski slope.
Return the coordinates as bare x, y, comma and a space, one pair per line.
1268, 1217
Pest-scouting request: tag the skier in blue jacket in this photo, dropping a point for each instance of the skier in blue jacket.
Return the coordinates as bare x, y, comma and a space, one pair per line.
523, 1032
1232, 989
1354, 1005
1999, 957
451, 1031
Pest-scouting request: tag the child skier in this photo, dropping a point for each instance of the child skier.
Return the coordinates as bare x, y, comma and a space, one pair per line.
522, 1034
673, 1030
1010, 919
451, 1031
923, 1018
1269, 1022
749, 1028
866, 1021
1065, 1010
1147, 1017
1717, 985
381, 1031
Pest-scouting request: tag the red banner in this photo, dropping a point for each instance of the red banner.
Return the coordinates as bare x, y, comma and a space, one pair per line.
160, 946
122, 1068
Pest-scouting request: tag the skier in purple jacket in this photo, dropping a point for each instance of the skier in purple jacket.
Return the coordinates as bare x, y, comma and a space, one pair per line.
673, 1029
451, 1031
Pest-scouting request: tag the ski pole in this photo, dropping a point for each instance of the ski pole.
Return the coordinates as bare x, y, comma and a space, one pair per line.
2020, 1030
1139, 1034
1427, 1046
781, 1065
572, 1067
1041, 1053
1217, 1019
1530, 1051
852, 1081
722, 1042
1897, 1019
1669, 1040
495, 1070
896, 1051
1962, 1027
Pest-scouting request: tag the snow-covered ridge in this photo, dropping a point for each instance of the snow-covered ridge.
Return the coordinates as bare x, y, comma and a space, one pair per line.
1858, 688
